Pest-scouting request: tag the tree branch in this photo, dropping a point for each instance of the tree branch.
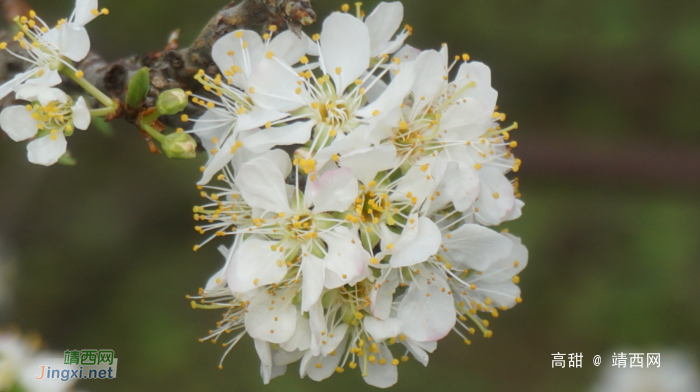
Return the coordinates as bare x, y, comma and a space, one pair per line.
172, 67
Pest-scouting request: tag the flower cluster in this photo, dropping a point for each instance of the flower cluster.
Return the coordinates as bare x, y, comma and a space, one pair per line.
357, 177
50, 114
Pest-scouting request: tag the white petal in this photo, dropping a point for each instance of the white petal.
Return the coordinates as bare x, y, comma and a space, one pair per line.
281, 160
246, 59
270, 319
218, 160
46, 151
475, 246
394, 94
313, 270
49, 78
418, 349
382, 376
295, 133
366, 163
11, 84
459, 185
262, 184
283, 358
346, 256
75, 42
265, 354
382, 330
301, 340
343, 144
328, 364
258, 117
468, 119
407, 53
334, 191
81, 114
427, 312
418, 242
383, 22
83, 11
345, 46
496, 198
287, 47
213, 124
273, 85
480, 74
430, 79
18, 123
254, 264
382, 295
317, 324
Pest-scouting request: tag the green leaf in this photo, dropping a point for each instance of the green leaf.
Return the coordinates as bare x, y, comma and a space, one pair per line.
67, 159
138, 88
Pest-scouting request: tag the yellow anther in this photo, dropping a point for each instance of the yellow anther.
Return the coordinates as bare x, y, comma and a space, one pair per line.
338, 70
304, 60
105, 11
352, 365
488, 334
404, 358
80, 74
519, 300
195, 248
273, 28
316, 37
496, 195
477, 166
374, 260
424, 167
239, 34
513, 144
185, 118
3, 45
270, 55
376, 113
465, 57
345, 8
516, 279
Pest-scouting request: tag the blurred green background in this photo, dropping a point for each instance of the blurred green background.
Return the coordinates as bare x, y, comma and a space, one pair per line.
604, 92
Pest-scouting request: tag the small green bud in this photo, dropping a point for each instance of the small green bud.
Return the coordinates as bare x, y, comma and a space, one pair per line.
172, 102
179, 146
139, 85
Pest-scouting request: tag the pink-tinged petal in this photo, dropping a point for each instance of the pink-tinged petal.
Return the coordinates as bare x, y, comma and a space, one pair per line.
257, 118
335, 191
267, 138
475, 247
262, 184
382, 376
382, 330
346, 256
287, 47
75, 42
496, 197
18, 124
427, 311
228, 52
366, 163
253, 265
418, 241
46, 151
430, 79
382, 24
83, 12
345, 47
274, 85
270, 319
313, 272
382, 295
81, 114
393, 96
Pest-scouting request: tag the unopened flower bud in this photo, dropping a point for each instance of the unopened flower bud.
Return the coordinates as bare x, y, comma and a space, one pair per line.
179, 146
172, 101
